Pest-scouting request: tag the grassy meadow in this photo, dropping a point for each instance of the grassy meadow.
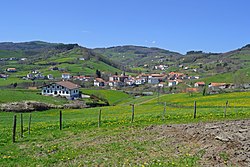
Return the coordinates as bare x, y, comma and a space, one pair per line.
118, 142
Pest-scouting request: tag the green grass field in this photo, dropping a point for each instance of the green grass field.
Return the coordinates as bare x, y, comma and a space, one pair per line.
82, 143
112, 96
16, 95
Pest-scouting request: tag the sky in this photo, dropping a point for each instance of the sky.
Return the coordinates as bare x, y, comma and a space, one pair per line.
176, 25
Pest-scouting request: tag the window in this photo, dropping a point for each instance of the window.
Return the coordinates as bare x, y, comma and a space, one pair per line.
48, 86
59, 92
63, 92
57, 87
67, 92
53, 86
62, 87
44, 91
47, 91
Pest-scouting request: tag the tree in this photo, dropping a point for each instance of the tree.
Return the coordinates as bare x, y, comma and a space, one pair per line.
98, 74
204, 92
15, 85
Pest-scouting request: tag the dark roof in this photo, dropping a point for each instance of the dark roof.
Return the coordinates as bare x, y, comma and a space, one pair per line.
68, 84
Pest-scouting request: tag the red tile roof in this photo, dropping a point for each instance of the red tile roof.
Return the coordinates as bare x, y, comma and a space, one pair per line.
217, 84
200, 83
99, 80
68, 84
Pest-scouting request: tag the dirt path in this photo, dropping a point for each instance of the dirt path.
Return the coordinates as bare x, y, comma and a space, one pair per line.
150, 99
223, 143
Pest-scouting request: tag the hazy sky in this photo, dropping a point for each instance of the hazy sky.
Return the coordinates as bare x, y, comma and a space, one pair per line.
178, 25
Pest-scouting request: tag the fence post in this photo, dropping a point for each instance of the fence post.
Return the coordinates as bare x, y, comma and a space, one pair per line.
164, 111
225, 109
60, 120
194, 109
158, 94
14, 130
99, 118
29, 123
133, 113
21, 121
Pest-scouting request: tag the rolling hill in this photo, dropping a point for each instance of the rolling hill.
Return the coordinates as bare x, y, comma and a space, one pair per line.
42, 55
136, 56
79, 60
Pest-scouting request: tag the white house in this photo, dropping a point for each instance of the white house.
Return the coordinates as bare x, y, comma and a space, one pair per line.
82, 58
199, 84
153, 80
23, 59
11, 70
66, 76
63, 88
3, 76
99, 82
172, 83
30, 76
50, 76
130, 82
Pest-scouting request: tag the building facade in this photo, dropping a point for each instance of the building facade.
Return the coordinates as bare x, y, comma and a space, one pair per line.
64, 88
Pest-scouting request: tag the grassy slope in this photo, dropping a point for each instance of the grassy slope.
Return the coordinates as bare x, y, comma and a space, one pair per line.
13, 95
82, 143
112, 96
8, 54
68, 60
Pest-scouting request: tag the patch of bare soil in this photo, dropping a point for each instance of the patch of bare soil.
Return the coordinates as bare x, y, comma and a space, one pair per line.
223, 143
29, 106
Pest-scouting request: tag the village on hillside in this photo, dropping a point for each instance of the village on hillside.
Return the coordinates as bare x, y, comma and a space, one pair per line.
174, 82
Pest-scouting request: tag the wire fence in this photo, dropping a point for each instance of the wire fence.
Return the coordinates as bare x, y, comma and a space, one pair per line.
15, 126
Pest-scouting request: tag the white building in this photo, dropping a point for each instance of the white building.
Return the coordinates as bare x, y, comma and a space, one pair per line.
66, 76
50, 76
152, 80
172, 83
63, 88
99, 82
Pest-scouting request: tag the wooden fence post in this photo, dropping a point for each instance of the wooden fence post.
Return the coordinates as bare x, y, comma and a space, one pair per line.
100, 117
14, 130
133, 113
60, 120
194, 109
158, 94
29, 123
225, 109
21, 121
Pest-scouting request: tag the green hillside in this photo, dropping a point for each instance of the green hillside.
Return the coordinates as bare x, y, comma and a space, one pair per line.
77, 60
138, 55
70, 61
42, 56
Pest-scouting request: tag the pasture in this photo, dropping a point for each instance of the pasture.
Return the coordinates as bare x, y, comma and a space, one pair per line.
118, 141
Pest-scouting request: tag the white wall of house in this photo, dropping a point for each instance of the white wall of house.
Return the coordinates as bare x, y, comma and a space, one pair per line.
172, 83
56, 90
153, 80
196, 85
97, 83
66, 76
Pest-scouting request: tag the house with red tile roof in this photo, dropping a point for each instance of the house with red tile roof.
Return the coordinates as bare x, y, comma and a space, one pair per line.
63, 88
